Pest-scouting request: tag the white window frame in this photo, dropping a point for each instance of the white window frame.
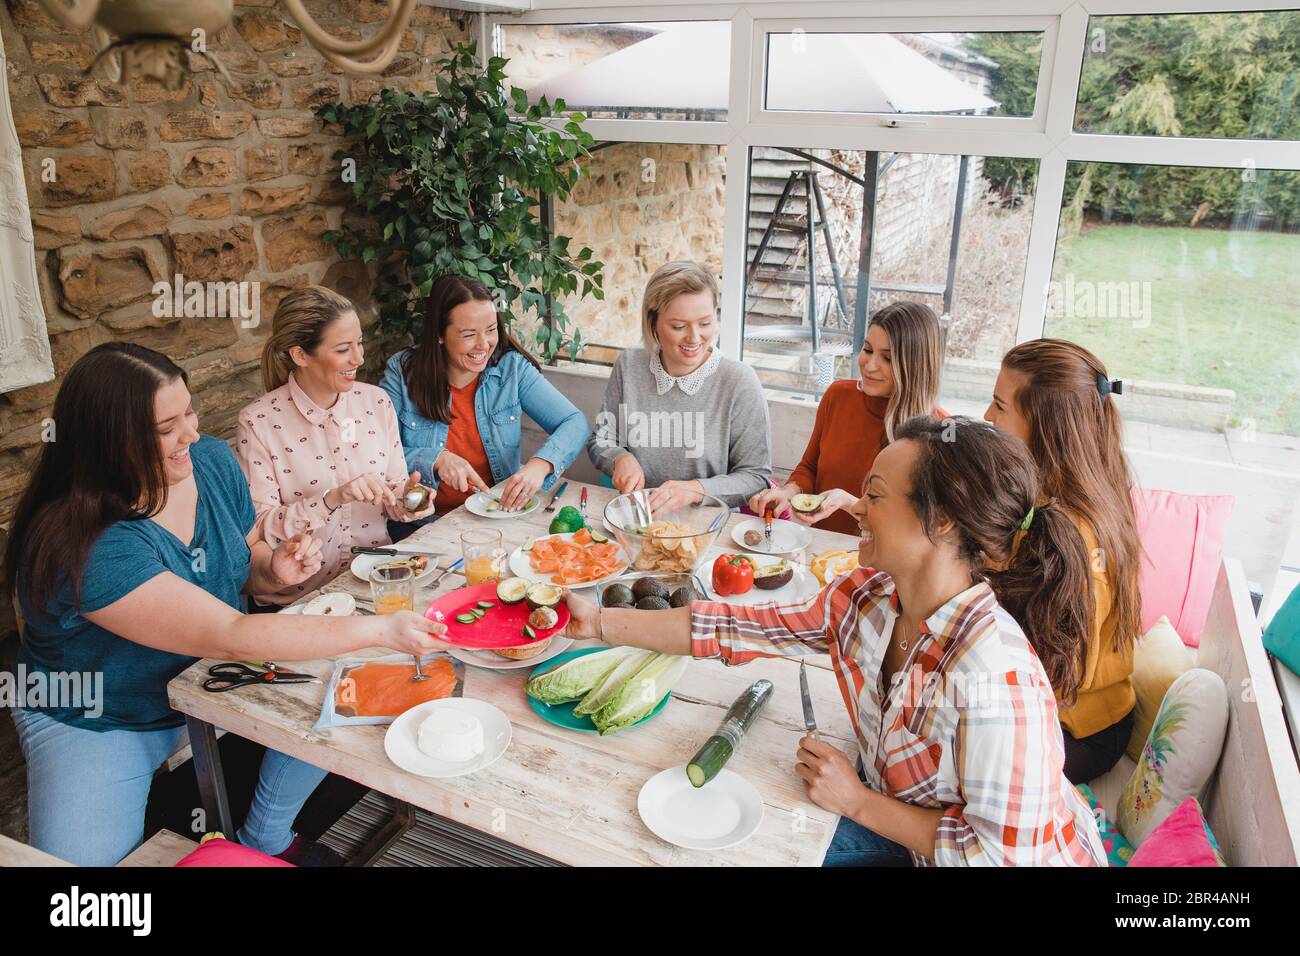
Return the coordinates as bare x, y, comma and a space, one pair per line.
1048, 136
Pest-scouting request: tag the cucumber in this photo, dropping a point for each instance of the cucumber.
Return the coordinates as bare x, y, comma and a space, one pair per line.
478, 613
466, 618
711, 758
718, 749
485, 605
529, 632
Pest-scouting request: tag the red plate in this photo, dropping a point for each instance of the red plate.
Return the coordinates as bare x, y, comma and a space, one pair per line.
501, 626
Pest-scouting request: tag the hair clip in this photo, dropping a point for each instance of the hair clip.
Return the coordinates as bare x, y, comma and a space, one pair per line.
1029, 519
1105, 386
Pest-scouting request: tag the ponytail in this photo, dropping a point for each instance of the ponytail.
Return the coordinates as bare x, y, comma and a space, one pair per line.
1041, 589
300, 320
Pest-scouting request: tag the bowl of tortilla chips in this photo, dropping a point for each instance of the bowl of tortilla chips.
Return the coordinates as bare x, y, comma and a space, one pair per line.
665, 541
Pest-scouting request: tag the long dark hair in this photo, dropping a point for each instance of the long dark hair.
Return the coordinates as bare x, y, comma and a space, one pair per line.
983, 480
1076, 439
425, 366
104, 465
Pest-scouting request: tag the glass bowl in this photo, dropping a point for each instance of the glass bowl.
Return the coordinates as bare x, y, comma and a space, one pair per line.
667, 541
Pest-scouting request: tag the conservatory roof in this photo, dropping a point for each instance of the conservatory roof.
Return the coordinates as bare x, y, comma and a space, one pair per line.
686, 67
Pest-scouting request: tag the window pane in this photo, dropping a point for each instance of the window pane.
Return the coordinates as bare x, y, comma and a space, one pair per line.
661, 71
986, 74
912, 244
1185, 279
641, 206
1216, 75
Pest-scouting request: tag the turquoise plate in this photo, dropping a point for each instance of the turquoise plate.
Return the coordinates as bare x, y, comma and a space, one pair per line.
562, 714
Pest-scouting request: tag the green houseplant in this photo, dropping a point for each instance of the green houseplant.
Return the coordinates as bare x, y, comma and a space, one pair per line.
449, 183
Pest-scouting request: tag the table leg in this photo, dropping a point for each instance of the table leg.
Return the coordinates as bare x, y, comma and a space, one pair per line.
212, 781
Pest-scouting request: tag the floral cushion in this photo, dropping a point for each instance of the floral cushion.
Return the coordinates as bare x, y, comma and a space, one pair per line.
1159, 659
1118, 850
1179, 755
1183, 839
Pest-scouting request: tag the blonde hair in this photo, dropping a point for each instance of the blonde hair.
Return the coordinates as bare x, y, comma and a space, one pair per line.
300, 319
916, 353
669, 281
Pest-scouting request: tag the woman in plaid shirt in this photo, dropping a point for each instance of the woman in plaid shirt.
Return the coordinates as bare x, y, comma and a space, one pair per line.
958, 734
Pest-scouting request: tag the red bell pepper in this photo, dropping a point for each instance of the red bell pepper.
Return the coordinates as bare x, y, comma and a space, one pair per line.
733, 574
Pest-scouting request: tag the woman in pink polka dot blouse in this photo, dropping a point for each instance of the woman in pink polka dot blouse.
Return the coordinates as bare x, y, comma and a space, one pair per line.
321, 451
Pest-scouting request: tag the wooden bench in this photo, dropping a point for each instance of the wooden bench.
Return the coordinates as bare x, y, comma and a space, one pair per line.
1252, 802
164, 848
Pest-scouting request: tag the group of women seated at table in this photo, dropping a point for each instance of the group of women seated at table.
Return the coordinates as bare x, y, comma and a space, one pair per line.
983, 646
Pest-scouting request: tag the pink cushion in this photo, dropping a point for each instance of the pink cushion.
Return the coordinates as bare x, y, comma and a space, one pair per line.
1182, 840
1182, 542
221, 852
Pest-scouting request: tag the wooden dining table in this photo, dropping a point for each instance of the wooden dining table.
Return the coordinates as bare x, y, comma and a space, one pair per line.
557, 795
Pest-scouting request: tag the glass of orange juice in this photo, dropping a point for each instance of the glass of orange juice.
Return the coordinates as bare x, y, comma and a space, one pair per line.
483, 555
393, 589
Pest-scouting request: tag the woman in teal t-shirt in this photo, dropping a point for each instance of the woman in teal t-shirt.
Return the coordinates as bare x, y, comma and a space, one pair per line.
129, 552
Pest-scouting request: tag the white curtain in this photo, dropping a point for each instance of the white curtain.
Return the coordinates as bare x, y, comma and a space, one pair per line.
24, 345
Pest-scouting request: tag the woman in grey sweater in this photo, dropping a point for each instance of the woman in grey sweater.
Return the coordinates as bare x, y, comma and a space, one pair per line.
678, 417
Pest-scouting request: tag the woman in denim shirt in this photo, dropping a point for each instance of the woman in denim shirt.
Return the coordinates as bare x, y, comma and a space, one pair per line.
461, 395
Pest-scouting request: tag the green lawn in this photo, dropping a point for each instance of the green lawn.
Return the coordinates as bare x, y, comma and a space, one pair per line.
1224, 312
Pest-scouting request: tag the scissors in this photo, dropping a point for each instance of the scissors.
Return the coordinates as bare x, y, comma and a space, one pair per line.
230, 676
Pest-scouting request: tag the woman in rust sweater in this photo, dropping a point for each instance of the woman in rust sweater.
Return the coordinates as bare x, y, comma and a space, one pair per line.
898, 377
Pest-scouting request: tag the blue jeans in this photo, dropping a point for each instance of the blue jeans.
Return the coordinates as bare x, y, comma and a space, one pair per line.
87, 790
855, 845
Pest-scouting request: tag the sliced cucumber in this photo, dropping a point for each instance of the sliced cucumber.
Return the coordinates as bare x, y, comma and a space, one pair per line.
477, 612
485, 605
530, 633
466, 618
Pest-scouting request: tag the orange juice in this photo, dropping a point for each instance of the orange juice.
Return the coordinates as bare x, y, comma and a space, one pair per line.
392, 603
482, 570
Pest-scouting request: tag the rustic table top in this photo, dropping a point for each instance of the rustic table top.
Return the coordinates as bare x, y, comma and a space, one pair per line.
562, 794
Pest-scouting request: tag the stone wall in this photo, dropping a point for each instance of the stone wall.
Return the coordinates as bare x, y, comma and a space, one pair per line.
641, 206
217, 181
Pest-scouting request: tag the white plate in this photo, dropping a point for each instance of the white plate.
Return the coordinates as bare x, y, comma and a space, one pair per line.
363, 564
400, 743
803, 585
477, 504
493, 661
787, 536
722, 813
520, 567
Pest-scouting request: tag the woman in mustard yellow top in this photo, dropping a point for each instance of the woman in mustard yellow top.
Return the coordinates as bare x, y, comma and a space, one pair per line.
1056, 397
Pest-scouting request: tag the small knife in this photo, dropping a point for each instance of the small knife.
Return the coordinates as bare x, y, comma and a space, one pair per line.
398, 549
555, 497
809, 721
767, 527
582, 505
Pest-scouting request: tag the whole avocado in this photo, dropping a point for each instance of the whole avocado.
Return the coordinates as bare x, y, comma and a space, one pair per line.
649, 587
652, 604
617, 595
